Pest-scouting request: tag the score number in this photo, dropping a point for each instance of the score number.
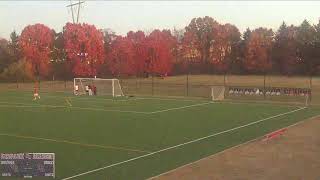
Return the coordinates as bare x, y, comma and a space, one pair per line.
27, 165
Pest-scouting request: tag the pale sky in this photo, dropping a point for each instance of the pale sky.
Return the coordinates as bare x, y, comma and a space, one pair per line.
122, 16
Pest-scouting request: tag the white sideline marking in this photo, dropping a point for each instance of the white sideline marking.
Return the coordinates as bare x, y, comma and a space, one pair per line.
130, 98
228, 149
259, 103
17, 106
72, 107
75, 97
75, 143
179, 145
182, 107
169, 99
82, 98
100, 109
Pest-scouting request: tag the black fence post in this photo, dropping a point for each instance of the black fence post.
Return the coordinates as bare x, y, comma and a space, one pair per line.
39, 82
136, 85
152, 85
310, 84
187, 84
17, 83
264, 86
52, 84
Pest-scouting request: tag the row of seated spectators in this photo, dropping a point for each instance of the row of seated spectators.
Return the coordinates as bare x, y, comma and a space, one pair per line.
296, 92
245, 91
270, 92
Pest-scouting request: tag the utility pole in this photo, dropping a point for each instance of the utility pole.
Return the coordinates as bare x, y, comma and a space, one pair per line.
71, 5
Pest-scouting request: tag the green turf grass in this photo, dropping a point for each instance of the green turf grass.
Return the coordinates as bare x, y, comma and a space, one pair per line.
94, 132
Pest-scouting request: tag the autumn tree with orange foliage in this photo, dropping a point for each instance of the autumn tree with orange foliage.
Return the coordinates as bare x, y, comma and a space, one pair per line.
140, 46
258, 51
160, 57
84, 47
36, 42
226, 39
203, 46
199, 36
121, 57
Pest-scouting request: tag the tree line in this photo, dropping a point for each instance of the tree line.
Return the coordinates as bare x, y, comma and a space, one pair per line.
204, 46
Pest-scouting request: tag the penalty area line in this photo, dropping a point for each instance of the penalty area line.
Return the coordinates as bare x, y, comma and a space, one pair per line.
17, 105
75, 143
183, 144
182, 107
108, 110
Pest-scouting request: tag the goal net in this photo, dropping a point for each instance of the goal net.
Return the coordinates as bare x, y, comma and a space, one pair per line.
217, 93
97, 86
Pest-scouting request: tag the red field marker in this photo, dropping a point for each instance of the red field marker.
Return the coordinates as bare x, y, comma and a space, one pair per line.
275, 134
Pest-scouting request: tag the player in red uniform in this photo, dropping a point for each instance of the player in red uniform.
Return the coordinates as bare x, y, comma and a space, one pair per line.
36, 92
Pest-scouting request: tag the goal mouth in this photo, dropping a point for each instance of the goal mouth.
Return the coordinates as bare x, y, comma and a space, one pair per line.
97, 86
217, 93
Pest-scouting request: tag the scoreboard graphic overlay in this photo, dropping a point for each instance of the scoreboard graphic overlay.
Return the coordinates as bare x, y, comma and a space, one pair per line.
27, 165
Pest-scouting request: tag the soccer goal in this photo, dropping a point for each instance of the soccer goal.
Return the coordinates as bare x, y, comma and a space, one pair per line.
217, 93
98, 86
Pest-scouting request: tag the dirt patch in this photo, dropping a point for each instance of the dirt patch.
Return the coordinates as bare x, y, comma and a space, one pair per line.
294, 156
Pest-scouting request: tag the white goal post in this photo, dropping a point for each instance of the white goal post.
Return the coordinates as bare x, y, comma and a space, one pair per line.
98, 86
217, 93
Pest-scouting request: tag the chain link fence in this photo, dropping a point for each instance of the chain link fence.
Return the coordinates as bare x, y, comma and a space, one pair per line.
188, 86
200, 86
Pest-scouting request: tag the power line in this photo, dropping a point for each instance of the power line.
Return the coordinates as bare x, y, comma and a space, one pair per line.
71, 5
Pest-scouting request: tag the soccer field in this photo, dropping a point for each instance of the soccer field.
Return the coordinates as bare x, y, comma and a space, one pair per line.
132, 138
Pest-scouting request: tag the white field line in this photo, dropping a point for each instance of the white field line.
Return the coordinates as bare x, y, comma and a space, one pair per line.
218, 102
132, 98
93, 98
183, 144
75, 143
100, 109
74, 97
279, 103
256, 103
191, 100
170, 99
104, 99
165, 99
72, 107
18, 106
182, 107
13, 103
228, 149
